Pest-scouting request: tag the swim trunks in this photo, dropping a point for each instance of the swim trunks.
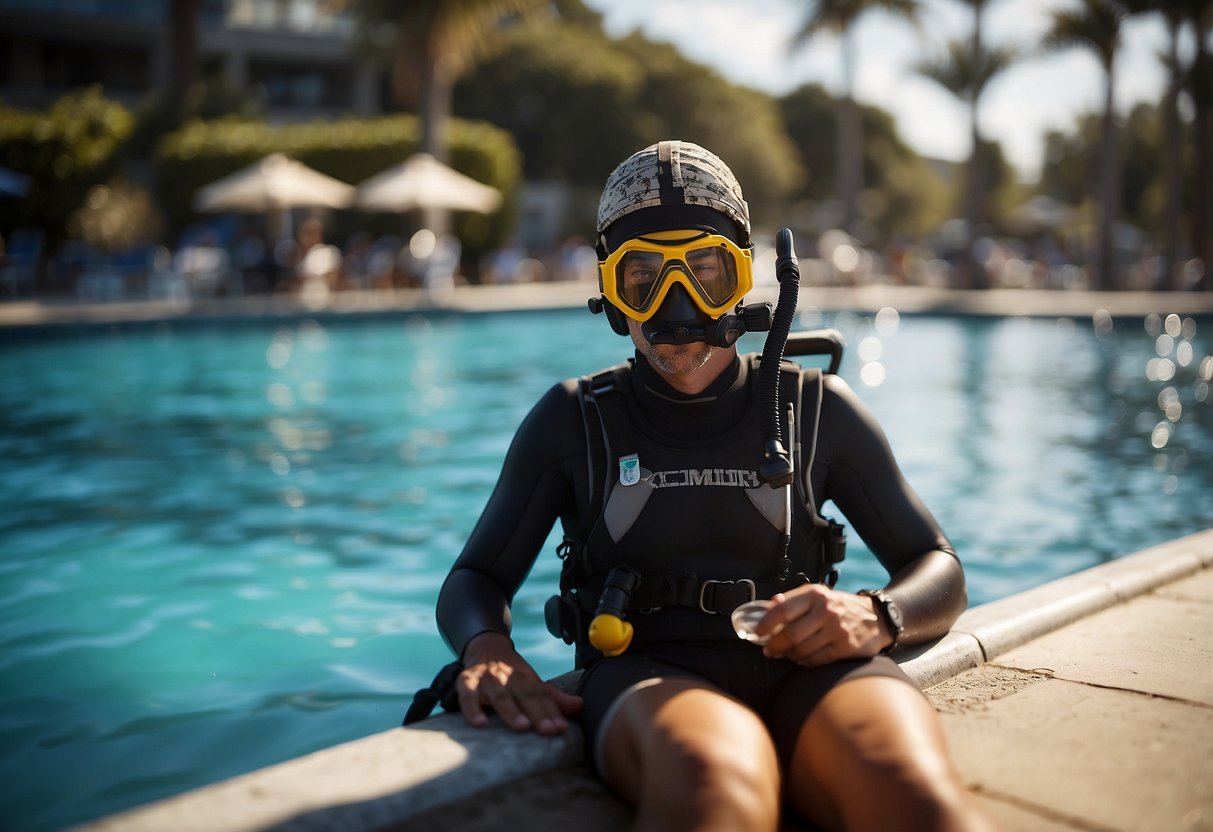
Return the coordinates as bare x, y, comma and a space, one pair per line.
781, 692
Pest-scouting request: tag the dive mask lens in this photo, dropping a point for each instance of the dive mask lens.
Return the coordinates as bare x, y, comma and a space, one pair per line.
636, 277
714, 270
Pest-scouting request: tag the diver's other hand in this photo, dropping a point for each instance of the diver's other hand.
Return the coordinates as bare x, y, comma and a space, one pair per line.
815, 625
497, 678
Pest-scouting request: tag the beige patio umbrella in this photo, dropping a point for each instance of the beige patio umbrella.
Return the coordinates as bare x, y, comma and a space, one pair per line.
275, 182
421, 182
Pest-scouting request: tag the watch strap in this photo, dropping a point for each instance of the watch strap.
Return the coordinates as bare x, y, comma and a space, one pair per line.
886, 606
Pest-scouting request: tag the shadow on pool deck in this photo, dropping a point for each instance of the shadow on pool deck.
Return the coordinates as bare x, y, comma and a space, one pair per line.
1083, 704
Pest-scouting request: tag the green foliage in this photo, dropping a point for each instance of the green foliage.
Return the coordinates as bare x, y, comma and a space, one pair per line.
576, 12
1002, 190
65, 151
810, 114
1094, 25
904, 195
566, 96
579, 104
685, 100
913, 202
836, 16
1068, 158
1142, 145
351, 150
115, 216
213, 98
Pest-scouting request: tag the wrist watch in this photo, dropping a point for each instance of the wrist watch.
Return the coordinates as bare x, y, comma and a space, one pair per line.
889, 610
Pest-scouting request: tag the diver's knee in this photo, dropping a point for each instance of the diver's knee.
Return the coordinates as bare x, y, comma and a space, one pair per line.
926, 792
726, 765
721, 774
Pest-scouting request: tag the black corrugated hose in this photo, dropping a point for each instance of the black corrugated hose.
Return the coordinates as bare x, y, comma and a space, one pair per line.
776, 467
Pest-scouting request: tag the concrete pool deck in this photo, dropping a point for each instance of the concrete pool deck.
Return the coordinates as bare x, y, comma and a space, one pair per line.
1083, 704
33, 316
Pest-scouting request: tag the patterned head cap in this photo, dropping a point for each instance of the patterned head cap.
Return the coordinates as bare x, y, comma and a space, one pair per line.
673, 173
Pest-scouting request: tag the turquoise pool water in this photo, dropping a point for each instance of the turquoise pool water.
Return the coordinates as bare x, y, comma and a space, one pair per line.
221, 546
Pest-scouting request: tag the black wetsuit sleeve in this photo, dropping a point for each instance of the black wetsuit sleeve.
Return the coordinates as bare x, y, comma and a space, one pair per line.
863, 479
536, 486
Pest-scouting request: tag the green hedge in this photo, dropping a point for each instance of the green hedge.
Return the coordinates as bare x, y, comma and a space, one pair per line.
351, 150
65, 150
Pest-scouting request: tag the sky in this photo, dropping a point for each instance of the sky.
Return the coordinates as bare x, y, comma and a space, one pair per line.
747, 41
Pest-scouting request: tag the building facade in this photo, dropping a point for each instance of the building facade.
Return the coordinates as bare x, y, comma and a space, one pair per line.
299, 58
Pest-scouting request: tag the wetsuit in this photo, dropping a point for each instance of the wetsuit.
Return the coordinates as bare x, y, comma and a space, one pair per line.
545, 476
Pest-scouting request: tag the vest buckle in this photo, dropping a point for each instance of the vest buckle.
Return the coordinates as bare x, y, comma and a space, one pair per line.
724, 593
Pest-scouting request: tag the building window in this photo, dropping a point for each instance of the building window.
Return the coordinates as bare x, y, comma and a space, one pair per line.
302, 86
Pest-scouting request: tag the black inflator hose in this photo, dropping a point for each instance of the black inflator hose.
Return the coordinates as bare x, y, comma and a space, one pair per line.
776, 467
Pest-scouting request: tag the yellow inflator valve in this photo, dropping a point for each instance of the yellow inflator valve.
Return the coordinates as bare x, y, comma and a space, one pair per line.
609, 633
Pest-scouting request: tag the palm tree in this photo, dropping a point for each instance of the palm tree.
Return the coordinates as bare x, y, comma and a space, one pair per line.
1199, 14
436, 41
1096, 25
1177, 14
965, 72
1172, 150
838, 17
183, 39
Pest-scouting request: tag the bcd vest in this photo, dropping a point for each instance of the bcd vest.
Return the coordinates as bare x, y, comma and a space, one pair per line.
705, 534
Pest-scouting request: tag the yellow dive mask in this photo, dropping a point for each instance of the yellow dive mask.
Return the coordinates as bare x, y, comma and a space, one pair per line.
714, 270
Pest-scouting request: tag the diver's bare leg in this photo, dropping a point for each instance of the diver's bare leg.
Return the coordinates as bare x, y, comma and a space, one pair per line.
872, 755
691, 757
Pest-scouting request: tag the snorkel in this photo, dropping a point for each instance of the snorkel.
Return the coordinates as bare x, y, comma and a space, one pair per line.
776, 467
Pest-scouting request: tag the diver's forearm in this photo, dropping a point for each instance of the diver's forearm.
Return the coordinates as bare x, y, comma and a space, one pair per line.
930, 592
469, 604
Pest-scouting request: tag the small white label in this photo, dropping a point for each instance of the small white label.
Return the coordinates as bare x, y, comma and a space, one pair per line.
629, 469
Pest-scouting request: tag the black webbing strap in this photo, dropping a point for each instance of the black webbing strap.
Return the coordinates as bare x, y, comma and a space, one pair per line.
689, 590
591, 389
606, 399
667, 191
441, 691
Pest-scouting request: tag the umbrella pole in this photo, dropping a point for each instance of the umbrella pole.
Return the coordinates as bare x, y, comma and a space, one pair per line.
437, 220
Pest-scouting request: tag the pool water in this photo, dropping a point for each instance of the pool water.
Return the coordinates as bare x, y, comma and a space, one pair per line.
220, 546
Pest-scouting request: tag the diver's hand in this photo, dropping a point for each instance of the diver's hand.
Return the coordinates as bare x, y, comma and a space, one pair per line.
496, 677
814, 625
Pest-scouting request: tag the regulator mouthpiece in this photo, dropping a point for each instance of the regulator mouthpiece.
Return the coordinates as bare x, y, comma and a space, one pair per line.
776, 466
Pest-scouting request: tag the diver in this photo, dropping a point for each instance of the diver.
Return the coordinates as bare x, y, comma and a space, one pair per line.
655, 470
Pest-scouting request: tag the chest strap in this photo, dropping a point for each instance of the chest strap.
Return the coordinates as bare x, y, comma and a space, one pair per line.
686, 589
606, 429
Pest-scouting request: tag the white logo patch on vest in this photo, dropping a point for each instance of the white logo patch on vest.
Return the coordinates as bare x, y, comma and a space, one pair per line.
629, 469
734, 477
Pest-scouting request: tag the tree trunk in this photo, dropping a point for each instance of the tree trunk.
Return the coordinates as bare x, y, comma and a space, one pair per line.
1172, 152
1109, 189
850, 162
975, 184
183, 39
437, 89
974, 215
850, 140
1202, 196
